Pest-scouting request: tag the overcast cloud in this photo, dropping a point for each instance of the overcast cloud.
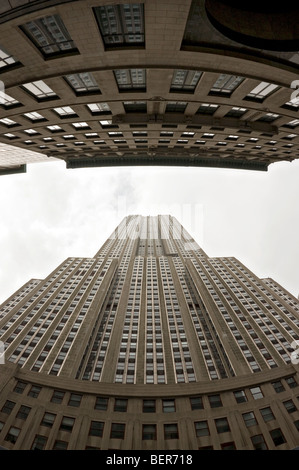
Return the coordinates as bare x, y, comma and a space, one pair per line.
52, 213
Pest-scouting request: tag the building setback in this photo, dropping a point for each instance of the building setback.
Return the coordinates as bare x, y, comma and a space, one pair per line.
150, 345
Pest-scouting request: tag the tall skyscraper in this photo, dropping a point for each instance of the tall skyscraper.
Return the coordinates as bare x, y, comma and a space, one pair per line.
150, 345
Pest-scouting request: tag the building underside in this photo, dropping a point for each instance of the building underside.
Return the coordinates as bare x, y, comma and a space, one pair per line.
150, 345
193, 83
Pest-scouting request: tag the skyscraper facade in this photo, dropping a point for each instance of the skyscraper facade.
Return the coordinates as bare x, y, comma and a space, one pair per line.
150, 345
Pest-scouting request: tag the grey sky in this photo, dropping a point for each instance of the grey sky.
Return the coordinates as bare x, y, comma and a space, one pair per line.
51, 213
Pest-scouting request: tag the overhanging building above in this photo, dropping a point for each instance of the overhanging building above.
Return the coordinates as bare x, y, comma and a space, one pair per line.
101, 83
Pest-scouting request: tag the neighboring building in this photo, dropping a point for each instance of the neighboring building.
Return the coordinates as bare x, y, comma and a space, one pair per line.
14, 160
105, 83
150, 345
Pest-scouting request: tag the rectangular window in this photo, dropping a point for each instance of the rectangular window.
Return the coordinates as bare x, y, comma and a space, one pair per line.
115, 134
12, 434
96, 428
232, 137
55, 128
48, 420
289, 406
39, 443
149, 432
99, 108
50, 36
80, 125
121, 25
31, 131
69, 137
269, 117
222, 425
176, 107
168, 406
8, 122
166, 134
215, 401
278, 387
225, 84
75, 400
261, 91
171, 431
291, 382
135, 106
34, 391
185, 80
20, 387
240, 396
149, 406
258, 442
117, 431
90, 135
207, 108
292, 104
67, 423
65, 111
35, 116
40, 90
201, 428
256, 393
277, 437
23, 412
228, 446
249, 419
7, 101
236, 112
292, 124
82, 83
196, 403
60, 445
130, 79
8, 407
267, 414
57, 396
107, 123
120, 404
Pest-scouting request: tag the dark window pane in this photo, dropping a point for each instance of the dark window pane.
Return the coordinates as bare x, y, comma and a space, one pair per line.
57, 396
149, 432
121, 25
171, 431
196, 403
39, 443
101, 403
277, 436
117, 431
50, 35
222, 425
96, 428
149, 406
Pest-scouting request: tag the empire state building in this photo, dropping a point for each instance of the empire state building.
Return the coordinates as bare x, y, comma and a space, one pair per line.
151, 344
